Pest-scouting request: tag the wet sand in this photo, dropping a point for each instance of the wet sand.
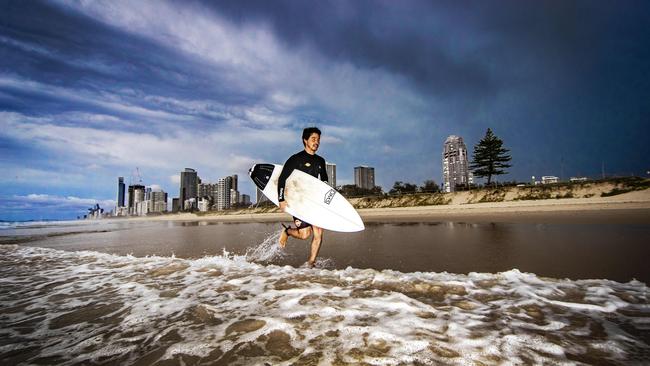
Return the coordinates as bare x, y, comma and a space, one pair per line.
601, 244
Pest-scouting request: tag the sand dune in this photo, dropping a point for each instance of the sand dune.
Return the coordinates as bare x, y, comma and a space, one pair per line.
636, 202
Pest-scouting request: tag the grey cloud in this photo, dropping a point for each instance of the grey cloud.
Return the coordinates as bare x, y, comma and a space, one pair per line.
61, 47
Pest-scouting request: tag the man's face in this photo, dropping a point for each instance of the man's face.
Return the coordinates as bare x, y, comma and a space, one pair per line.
313, 142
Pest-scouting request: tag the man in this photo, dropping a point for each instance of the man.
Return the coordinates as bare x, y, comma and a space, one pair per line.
310, 163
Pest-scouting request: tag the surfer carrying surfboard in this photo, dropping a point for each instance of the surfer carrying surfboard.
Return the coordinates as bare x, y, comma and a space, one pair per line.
314, 165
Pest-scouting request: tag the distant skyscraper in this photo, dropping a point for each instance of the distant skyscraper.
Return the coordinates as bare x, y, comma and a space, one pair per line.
206, 190
245, 200
120, 191
233, 184
455, 167
364, 177
157, 201
223, 193
189, 184
234, 197
331, 173
136, 197
136, 194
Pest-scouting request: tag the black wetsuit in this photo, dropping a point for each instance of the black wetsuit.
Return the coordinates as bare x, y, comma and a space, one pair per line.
313, 165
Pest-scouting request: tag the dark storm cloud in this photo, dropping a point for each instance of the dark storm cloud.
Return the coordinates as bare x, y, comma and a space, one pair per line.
468, 48
544, 74
393, 36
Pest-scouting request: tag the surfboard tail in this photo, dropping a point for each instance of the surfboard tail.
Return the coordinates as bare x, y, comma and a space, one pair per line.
261, 174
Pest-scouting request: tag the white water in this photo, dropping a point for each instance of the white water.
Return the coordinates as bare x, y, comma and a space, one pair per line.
80, 307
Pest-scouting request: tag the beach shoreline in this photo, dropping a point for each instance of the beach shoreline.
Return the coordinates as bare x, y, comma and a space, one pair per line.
633, 208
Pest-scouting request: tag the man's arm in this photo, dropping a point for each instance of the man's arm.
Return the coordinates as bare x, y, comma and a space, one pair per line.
287, 169
323, 174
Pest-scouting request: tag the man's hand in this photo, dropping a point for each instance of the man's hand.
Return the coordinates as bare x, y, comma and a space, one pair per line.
283, 206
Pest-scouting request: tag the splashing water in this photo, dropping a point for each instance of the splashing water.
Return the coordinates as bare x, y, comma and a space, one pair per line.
267, 251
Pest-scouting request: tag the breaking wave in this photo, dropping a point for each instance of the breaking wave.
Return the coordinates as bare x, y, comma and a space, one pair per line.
74, 308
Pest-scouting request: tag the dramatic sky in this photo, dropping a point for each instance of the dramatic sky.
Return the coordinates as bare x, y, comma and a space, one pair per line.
90, 90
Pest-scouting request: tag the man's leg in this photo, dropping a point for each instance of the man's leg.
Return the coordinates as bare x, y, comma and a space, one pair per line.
301, 234
315, 245
298, 233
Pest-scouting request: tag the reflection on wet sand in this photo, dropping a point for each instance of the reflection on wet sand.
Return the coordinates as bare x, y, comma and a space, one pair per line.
577, 251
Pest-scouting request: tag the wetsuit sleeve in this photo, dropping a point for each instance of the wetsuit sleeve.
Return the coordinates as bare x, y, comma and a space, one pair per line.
287, 169
323, 175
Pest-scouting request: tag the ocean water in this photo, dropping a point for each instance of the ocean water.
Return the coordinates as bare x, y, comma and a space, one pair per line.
66, 306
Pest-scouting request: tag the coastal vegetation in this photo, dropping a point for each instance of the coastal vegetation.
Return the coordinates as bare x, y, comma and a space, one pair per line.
625, 185
505, 193
589, 189
490, 158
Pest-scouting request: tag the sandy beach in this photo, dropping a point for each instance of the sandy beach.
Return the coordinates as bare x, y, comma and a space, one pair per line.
632, 207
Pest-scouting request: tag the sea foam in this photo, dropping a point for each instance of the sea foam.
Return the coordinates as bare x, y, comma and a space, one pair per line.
86, 307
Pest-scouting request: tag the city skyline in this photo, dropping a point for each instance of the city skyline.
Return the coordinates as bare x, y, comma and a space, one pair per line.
89, 90
190, 177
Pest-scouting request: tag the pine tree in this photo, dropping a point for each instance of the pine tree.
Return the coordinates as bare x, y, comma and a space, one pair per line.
490, 157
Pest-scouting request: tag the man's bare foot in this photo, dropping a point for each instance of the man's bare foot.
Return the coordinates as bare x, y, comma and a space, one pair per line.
308, 264
283, 237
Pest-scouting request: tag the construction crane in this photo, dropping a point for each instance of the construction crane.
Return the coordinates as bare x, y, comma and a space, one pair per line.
136, 177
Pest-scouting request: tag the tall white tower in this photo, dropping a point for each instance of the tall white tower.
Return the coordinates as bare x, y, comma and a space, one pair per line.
455, 167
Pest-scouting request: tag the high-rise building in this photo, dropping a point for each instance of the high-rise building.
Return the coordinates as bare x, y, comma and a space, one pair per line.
138, 199
223, 193
136, 195
233, 184
455, 167
120, 191
157, 200
175, 205
331, 173
142, 208
245, 200
364, 177
189, 184
234, 197
130, 197
206, 190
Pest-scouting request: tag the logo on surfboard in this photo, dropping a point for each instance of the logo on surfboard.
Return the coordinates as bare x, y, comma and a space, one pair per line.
329, 196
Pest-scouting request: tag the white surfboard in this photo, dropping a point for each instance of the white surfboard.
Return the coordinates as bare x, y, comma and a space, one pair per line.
308, 198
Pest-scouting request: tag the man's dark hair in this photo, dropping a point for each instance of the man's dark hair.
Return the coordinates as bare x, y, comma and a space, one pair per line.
307, 132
